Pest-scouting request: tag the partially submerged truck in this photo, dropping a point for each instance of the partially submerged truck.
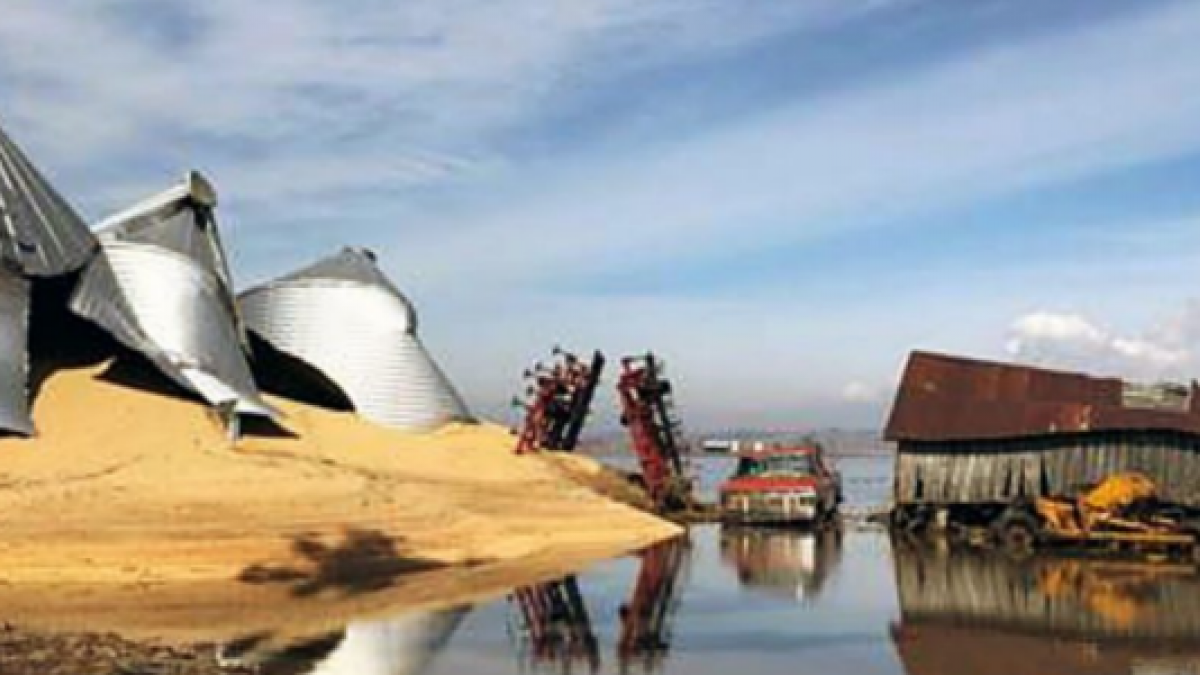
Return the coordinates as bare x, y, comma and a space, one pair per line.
781, 486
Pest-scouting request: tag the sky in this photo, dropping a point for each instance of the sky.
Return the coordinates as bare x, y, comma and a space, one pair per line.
781, 199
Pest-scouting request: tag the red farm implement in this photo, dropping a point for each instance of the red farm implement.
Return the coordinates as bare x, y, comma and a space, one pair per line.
647, 410
558, 399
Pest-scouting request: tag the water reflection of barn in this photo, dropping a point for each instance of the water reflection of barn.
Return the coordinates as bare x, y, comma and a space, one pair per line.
961, 609
972, 433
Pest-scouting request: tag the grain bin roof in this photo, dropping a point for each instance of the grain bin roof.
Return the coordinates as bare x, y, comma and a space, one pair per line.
40, 234
342, 317
949, 398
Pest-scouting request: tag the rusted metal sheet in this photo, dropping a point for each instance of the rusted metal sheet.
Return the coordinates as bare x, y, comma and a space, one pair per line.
944, 398
40, 234
342, 317
161, 286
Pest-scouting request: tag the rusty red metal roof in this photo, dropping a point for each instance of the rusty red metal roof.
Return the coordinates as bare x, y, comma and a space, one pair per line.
948, 398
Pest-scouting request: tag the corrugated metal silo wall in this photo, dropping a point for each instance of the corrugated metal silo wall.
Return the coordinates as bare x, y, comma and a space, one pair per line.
161, 286
362, 338
14, 366
168, 308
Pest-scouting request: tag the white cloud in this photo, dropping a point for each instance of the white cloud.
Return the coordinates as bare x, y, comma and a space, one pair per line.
1166, 351
860, 392
1038, 329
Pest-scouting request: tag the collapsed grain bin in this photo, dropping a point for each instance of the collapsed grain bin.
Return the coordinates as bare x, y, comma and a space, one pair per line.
161, 286
41, 237
341, 330
973, 435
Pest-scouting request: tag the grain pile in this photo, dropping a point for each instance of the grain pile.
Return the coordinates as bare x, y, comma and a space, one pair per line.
138, 498
603, 479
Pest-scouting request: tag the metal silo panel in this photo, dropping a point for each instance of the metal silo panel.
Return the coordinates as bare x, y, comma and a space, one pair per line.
160, 286
40, 234
14, 366
363, 338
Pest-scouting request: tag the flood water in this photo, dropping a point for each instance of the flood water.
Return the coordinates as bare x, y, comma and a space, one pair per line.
728, 600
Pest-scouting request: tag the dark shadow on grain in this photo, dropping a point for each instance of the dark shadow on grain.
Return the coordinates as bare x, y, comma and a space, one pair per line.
362, 562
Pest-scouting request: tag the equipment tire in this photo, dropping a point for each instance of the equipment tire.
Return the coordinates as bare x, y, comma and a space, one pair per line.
1018, 533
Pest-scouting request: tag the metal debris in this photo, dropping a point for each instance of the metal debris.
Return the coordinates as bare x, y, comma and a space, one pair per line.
40, 234
14, 367
946, 398
162, 287
343, 317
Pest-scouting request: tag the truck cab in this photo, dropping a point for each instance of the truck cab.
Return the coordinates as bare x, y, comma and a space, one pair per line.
781, 486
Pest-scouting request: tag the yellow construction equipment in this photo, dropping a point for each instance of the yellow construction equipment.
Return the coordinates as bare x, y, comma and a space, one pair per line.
1120, 512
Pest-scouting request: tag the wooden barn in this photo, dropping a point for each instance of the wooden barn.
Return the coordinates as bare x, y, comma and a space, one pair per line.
973, 433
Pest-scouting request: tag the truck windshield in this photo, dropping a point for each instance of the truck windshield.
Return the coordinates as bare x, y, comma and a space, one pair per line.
780, 465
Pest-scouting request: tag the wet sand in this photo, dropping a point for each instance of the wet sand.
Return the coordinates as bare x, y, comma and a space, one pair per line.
133, 513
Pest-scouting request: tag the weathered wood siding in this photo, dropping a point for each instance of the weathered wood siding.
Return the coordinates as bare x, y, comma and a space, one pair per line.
998, 471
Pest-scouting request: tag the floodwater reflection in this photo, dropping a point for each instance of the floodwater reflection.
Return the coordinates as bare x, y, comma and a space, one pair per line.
782, 562
405, 645
554, 627
757, 601
1043, 615
647, 619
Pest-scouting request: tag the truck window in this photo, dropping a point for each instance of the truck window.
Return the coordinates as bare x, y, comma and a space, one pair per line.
777, 466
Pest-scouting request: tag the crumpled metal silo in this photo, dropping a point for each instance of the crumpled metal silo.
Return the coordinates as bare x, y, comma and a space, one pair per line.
41, 236
161, 286
343, 317
14, 364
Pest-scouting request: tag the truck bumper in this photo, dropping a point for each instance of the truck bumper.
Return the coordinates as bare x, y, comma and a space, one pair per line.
749, 513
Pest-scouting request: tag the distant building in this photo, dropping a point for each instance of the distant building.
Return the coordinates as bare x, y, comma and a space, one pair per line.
973, 433
733, 446
721, 446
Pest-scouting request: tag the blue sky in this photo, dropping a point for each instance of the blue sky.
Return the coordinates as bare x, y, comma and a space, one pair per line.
782, 198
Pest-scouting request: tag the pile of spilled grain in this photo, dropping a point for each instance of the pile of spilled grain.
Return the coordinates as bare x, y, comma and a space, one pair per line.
136, 489
603, 479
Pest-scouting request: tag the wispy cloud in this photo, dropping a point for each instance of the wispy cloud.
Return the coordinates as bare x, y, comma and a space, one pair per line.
399, 126
1168, 350
1031, 113
374, 97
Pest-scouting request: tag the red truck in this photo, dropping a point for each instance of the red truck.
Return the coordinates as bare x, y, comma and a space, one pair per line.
781, 486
